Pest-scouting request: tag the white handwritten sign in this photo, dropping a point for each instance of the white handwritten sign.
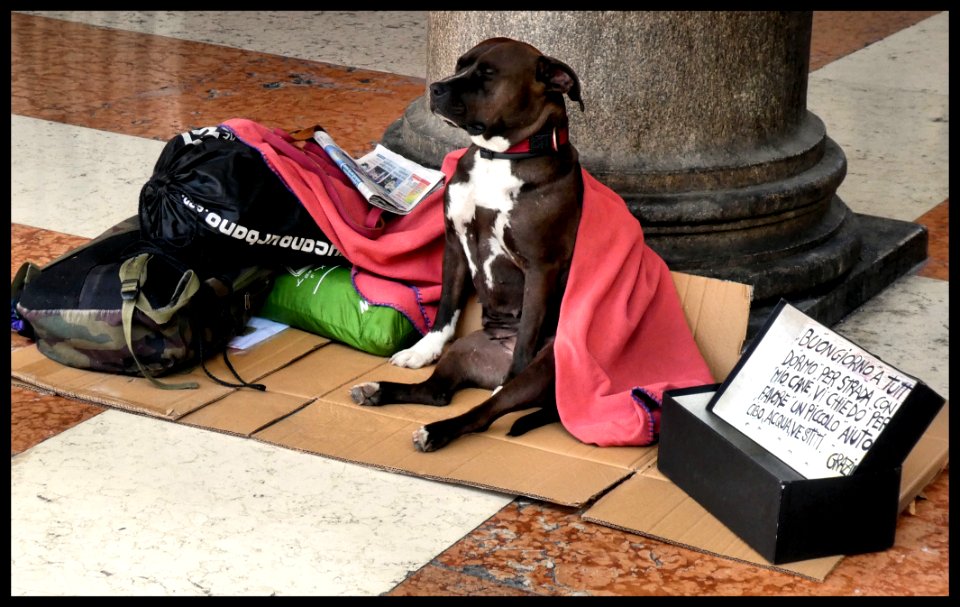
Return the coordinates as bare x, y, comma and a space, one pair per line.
810, 397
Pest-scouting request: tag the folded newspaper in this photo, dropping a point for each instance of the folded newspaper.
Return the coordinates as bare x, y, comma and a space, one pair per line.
385, 178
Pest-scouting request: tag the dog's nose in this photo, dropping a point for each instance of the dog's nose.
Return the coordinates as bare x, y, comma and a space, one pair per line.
439, 89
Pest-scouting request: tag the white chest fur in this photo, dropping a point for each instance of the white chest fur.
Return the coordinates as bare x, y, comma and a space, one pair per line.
491, 186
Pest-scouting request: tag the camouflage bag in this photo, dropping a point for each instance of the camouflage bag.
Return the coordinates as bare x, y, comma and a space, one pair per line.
122, 305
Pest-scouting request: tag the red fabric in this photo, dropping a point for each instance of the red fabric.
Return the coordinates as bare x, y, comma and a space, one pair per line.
397, 263
622, 339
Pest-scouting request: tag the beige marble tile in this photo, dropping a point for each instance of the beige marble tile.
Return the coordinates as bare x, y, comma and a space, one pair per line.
837, 34
81, 181
896, 144
908, 326
127, 505
913, 59
887, 106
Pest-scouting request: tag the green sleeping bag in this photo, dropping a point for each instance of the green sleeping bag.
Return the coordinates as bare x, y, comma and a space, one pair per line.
322, 300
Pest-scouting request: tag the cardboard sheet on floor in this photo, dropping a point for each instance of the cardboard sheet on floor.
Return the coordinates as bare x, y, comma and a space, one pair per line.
649, 504
307, 407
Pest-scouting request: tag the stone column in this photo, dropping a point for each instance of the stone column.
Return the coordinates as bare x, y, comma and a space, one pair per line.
699, 120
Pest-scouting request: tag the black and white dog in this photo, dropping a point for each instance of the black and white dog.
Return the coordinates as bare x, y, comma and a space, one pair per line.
512, 209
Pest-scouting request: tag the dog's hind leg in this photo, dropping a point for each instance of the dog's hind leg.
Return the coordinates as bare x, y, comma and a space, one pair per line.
475, 360
533, 387
540, 417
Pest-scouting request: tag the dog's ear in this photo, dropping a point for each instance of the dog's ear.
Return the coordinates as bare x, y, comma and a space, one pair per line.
559, 77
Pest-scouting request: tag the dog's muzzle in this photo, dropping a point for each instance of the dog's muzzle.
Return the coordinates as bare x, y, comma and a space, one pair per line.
444, 104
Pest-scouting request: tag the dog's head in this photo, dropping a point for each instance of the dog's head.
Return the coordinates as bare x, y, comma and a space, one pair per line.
505, 88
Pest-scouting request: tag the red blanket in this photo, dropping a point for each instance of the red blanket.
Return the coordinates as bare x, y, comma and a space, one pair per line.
396, 262
622, 339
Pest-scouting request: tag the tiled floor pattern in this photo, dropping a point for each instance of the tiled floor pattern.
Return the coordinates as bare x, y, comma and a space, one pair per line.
104, 502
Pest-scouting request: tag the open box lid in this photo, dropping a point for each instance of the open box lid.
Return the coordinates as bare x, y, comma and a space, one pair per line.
820, 403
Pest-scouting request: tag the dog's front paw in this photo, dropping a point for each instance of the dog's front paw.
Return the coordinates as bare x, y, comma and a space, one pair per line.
409, 358
428, 349
425, 440
366, 394
412, 358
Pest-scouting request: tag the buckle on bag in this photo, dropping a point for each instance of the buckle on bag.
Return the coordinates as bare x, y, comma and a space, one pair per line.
129, 289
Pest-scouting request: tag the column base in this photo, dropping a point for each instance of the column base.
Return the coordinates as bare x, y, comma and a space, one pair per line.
853, 258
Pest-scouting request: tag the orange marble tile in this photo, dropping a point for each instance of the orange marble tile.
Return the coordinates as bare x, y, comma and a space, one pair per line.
839, 33
431, 580
546, 549
937, 222
157, 87
35, 417
38, 245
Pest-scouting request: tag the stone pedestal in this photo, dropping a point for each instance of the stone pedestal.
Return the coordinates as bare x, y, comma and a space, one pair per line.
699, 120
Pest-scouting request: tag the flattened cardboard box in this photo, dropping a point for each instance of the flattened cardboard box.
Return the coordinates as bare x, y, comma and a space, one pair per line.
307, 407
650, 504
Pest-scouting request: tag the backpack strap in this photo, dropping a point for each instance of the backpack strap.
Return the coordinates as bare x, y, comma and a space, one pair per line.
133, 274
243, 383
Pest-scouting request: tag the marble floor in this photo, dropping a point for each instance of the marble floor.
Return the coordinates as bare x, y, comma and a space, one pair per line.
105, 502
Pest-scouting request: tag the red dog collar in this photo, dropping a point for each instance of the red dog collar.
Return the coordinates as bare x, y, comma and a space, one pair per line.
547, 141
